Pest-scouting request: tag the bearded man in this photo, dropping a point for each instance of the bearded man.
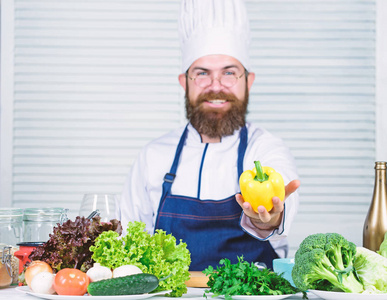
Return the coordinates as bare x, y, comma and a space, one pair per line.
186, 182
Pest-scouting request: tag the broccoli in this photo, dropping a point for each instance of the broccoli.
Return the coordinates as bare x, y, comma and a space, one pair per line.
324, 261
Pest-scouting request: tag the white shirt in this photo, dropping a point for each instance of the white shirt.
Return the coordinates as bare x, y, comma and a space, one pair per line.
143, 187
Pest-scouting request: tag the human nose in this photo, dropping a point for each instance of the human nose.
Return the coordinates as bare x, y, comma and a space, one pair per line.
216, 85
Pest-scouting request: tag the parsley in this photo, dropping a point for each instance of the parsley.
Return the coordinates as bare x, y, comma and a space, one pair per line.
244, 278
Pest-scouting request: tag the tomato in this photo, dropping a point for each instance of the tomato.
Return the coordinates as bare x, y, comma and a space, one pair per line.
71, 282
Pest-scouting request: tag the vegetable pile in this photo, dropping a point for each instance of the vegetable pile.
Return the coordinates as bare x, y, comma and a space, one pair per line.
244, 278
135, 263
328, 261
68, 245
156, 254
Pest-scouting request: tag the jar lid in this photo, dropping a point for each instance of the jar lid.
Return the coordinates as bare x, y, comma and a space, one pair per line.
2, 245
43, 214
30, 244
11, 214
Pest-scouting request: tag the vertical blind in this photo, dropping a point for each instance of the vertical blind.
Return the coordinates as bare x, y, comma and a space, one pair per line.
94, 81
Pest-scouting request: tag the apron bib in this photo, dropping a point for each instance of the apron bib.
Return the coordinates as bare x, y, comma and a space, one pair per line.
210, 228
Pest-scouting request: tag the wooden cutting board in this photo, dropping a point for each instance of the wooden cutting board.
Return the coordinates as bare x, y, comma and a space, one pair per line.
197, 279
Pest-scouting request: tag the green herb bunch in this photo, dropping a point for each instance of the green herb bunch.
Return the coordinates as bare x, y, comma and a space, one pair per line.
245, 278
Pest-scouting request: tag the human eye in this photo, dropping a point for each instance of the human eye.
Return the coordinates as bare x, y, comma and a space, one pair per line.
201, 74
229, 73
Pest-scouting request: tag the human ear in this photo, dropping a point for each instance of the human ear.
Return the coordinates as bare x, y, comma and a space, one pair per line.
250, 80
183, 80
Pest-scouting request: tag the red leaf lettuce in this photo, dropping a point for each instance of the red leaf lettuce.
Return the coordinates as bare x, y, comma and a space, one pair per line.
68, 245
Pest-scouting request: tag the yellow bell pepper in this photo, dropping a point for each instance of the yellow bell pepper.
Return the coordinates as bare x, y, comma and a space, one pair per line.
260, 185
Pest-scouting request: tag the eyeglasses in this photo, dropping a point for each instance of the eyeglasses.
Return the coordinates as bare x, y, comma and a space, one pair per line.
227, 79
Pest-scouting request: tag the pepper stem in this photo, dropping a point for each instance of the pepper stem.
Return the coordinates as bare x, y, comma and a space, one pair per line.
261, 176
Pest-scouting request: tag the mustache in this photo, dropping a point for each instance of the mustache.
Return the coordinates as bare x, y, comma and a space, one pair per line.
213, 96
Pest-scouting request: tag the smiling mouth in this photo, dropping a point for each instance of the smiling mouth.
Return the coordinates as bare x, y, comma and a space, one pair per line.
217, 101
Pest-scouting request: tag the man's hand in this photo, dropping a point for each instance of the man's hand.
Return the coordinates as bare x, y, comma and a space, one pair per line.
265, 220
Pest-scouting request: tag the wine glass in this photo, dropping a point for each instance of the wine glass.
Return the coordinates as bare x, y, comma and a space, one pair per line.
104, 203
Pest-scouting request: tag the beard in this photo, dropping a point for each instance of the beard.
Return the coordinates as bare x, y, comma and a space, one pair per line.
216, 122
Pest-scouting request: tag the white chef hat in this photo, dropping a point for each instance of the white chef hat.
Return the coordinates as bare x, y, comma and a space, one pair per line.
214, 27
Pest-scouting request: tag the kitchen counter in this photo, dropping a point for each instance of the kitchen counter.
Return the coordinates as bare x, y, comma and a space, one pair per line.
193, 293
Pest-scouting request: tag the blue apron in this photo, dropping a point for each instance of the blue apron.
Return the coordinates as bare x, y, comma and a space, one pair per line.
210, 228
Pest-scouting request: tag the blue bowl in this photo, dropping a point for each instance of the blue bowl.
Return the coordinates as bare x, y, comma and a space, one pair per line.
284, 267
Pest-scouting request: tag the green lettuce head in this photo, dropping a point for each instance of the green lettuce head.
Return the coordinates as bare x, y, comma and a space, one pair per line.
371, 268
157, 254
383, 247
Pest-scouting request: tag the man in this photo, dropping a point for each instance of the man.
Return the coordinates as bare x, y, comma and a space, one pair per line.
186, 182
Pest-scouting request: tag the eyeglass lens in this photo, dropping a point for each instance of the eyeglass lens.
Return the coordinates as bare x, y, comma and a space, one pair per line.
227, 81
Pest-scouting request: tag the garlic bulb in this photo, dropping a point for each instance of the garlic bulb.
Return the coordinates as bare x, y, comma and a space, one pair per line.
98, 272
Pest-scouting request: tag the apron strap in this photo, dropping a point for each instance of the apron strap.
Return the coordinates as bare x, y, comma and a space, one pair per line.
170, 177
242, 150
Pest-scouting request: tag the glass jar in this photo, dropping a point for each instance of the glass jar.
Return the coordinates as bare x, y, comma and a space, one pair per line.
38, 223
11, 225
5, 266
